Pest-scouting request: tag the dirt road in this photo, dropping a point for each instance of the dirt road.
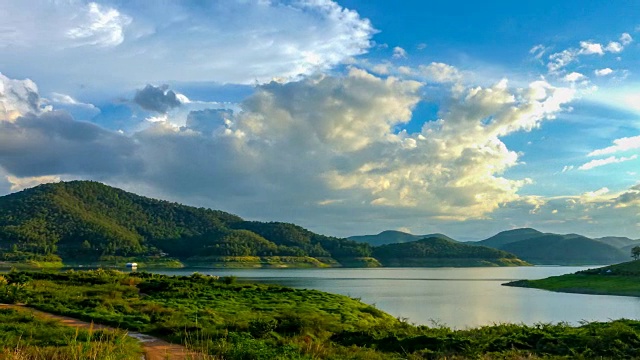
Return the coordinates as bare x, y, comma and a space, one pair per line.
154, 348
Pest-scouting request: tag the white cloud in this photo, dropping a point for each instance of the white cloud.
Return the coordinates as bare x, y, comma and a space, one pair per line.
18, 97
626, 39
603, 72
538, 51
421, 46
132, 43
100, 26
399, 53
619, 145
590, 48
295, 145
610, 160
614, 47
21, 183
440, 72
574, 76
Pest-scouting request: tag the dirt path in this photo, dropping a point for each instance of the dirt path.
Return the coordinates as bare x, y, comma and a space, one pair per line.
154, 348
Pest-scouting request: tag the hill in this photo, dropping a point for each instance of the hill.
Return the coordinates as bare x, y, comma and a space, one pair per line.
436, 251
392, 237
565, 250
619, 242
509, 236
85, 222
619, 279
91, 221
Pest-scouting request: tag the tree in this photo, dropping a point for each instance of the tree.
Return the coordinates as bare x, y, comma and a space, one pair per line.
635, 252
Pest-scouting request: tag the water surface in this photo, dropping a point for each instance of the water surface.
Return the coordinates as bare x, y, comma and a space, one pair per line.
456, 297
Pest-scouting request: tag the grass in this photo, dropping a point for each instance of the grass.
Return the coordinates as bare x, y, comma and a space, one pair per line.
621, 279
24, 336
241, 321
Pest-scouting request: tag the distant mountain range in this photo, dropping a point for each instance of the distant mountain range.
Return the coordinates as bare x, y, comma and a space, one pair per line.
394, 237
87, 222
539, 248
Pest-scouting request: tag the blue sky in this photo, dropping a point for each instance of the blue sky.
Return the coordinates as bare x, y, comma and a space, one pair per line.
345, 117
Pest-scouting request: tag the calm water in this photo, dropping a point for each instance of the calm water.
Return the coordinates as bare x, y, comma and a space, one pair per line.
457, 297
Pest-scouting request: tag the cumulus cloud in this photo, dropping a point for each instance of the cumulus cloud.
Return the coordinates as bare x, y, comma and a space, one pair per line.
440, 72
574, 76
603, 72
610, 160
323, 145
18, 97
590, 48
614, 47
129, 43
157, 98
619, 145
399, 53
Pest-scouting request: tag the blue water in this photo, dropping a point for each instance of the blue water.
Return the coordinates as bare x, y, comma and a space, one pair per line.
456, 297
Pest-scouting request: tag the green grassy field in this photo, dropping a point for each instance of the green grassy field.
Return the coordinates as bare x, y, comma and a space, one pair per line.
24, 336
621, 279
242, 321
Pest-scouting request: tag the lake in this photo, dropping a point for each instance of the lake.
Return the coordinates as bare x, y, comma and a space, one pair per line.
456, 297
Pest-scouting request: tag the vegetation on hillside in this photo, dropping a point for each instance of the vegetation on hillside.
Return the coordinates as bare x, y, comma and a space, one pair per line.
92, 221
393, 237
233, 320
620, 279
442, 252
571, 249
89, 223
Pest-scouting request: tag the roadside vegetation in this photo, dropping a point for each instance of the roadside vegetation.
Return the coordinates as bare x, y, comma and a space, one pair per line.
25, 336
230, 319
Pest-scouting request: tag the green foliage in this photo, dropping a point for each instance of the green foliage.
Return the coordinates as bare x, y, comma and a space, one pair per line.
24, 336
251, 321
620, 279
91, 222
436, 251
635, 252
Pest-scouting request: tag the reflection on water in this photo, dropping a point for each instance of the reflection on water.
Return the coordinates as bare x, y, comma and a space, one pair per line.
456, 297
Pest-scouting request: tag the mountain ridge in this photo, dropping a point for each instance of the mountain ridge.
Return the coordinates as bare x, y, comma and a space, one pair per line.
90, 221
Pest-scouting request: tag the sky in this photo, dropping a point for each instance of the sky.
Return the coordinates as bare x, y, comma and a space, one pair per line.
347, 118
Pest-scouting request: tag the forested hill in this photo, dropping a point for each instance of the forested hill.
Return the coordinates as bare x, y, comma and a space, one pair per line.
89, 220
436, 251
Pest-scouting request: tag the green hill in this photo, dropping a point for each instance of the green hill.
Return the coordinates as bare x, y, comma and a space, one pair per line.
89, 221
85, 222
436, 251
619, 279
506, 237
565, 250
571, 249
619, 242
393, 237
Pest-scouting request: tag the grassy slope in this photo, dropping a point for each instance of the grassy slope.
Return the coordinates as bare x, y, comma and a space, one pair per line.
24, 336
621, 279
248, 321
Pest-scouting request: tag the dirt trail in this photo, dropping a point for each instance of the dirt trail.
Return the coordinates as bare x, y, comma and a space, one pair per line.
154, 348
